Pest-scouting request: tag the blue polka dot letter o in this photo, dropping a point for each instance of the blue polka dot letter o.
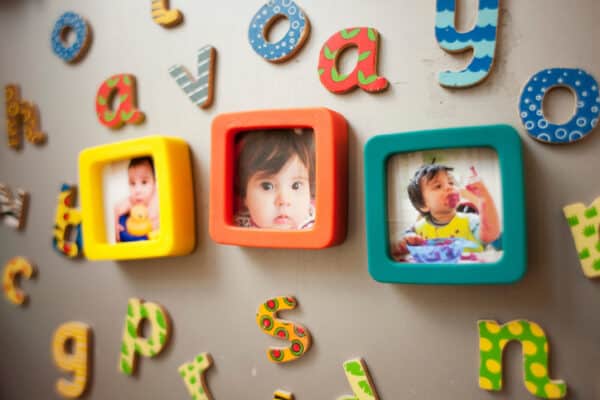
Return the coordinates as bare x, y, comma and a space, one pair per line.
586, 114
292, 41
70, 20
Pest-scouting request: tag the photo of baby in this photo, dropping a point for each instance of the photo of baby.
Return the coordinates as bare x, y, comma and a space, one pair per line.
455, 201
131, 193
275, 181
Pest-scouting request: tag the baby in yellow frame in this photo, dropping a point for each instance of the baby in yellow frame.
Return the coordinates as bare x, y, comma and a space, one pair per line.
137, 215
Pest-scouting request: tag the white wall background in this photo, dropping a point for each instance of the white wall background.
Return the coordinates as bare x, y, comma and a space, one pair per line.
419, 342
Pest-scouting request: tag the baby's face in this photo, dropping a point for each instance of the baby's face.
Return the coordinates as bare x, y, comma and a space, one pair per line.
281, 200
440, 194
141, 184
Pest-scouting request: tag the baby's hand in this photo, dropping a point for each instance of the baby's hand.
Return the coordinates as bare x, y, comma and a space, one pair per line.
400, 248
120, 228
478, 189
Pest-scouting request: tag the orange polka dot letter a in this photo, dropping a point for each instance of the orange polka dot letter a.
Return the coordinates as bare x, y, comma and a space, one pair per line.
493, 338
364, 75
299, 337
118, 90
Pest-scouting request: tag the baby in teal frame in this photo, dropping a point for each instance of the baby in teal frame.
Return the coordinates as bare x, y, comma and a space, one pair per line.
509, 268
468, 227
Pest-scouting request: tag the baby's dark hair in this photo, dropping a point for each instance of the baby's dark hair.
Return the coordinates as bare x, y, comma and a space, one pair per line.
269, 150
415, 193
134, 162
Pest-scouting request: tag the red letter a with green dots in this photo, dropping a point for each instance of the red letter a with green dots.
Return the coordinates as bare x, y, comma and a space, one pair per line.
118, 90
364, 75
266, 318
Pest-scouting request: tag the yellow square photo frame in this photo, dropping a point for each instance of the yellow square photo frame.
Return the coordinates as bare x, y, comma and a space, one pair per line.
175, 191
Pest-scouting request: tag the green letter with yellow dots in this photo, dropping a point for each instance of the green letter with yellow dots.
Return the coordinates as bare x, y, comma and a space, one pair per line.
492, 341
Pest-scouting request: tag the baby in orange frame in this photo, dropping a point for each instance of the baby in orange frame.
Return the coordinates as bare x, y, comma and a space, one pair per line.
275, 183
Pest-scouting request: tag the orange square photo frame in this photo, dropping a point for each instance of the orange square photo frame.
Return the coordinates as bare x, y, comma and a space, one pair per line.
330, 132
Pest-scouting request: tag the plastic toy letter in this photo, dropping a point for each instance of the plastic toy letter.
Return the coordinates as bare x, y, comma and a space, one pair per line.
492, 340
67, 218
13, 209
16, 266
364, 74
76, 361
482, 39
75, 51
199, 90
585, 116
163, 16
120, 88
21, 114
585, 228
133, 344
291, 42
359, 380
266, 318
283, 395
193, 376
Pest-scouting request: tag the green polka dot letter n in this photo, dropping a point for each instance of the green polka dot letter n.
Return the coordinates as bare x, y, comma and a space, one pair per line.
585, 228
133, 342
296, 334
493, 338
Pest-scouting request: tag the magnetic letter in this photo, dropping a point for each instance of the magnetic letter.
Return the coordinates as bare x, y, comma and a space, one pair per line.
16, 266
482, 39
23, 115
283, 395
359, 380
67, 218
163, 16
266, 318
13, 209
76, 361
585, 228
199, 90
364, 74
291, 42
193, 376
122, 88
133, 344
492, 340
80, 27
585, 88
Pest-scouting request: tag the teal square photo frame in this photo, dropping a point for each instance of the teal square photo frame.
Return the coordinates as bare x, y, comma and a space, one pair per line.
506, 142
